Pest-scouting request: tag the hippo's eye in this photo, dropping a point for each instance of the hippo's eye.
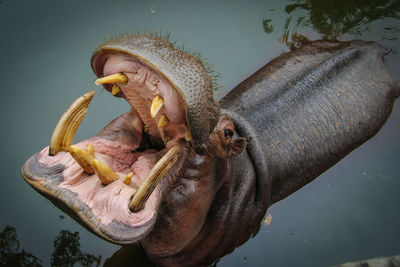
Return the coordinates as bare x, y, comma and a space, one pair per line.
228, 133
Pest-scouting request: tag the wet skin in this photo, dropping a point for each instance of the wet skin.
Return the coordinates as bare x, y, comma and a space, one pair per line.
279, 129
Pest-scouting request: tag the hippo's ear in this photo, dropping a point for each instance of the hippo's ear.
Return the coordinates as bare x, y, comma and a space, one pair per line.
238, 145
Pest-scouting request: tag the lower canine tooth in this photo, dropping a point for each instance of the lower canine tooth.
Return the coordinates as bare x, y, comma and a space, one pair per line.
156, 105
83, 158
105, 173
162, 121
115, 89
66, 127
153, 179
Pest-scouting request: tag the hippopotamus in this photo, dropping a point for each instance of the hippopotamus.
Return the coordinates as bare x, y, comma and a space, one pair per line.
190, 178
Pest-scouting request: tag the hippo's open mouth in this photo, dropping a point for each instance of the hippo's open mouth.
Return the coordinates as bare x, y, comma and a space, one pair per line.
114, 182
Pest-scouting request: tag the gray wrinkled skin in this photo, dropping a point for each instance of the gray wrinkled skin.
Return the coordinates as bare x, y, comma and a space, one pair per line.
185, 72
313, 106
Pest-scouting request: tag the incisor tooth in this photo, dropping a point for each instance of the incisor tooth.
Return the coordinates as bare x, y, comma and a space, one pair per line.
114, 78
128, 178
162, 121
188, 136
153, 179
83, 158
66, 127
115, 89
104, 172
156, 105
90, 149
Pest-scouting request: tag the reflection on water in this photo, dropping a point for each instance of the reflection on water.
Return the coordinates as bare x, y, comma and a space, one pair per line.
334, 18
10, 252
129, 256
66, 251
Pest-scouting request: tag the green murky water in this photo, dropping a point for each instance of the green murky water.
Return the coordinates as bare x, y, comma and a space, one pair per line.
351, 212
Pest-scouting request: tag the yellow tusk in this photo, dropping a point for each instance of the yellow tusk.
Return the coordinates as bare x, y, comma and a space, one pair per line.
128, 178
156, 105
162, 121
115, 78
83, 158
105, 173
154, 177
66, 127
188, 136
115, 89
90, 149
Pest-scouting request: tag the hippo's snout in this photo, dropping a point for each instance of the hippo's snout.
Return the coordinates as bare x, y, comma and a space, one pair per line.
114, 182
